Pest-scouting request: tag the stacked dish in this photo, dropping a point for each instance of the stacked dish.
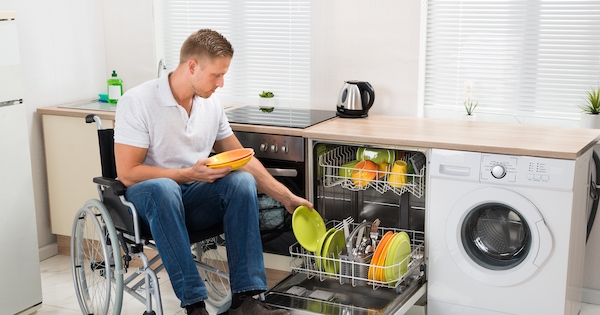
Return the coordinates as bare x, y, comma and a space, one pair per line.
391, 258
234, 158
309, 229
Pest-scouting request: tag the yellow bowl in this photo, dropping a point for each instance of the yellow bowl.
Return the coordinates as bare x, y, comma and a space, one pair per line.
234, 164
230, 156
308, 227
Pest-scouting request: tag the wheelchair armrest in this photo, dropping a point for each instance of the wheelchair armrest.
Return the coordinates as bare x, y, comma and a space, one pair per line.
116, 185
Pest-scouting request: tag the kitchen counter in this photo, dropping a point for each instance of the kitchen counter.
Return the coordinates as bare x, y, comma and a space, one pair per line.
513, 139
502, 138
79, 109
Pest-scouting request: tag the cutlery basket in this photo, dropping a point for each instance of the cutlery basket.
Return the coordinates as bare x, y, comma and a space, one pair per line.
354, 269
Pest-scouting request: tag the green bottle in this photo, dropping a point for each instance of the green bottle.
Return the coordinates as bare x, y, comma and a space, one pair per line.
115, 88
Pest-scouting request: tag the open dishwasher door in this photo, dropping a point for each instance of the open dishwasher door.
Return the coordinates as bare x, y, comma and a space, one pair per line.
345, 277
340, 284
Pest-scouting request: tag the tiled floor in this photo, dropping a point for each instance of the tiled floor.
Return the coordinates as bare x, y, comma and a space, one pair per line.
59, 294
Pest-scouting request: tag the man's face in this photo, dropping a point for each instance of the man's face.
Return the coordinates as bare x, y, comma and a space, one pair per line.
209, 75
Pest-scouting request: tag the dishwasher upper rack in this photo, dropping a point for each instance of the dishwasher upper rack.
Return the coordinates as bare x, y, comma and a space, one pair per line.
331, 162
304, 261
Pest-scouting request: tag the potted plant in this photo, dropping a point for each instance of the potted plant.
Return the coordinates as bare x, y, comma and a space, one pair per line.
468, 102
266, 102
591, 109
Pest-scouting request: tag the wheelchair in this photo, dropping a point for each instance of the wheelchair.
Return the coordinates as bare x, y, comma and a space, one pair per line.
107, 236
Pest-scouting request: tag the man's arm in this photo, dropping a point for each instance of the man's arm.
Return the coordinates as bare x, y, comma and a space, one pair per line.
131, 170
265, 182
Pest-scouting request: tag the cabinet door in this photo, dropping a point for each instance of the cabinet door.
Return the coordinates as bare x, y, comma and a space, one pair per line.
72, 161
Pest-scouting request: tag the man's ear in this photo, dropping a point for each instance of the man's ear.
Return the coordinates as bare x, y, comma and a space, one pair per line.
192, 65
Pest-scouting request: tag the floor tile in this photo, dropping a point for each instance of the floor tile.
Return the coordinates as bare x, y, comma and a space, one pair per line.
59, 298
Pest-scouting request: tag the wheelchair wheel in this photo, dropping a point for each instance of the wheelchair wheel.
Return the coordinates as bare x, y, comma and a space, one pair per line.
96, 261
216, 276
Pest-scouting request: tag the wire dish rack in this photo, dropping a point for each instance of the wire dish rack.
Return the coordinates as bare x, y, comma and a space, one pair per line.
362, 271
332, 161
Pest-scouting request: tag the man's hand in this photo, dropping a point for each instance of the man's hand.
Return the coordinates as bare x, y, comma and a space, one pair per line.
199, 172
295, 202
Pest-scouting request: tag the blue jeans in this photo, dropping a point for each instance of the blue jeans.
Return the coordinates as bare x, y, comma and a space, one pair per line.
170, 210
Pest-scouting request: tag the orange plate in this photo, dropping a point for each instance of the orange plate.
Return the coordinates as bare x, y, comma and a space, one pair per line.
380, 272
229, 156
378, 251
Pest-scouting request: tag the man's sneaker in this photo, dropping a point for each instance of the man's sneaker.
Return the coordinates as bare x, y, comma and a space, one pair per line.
255, 307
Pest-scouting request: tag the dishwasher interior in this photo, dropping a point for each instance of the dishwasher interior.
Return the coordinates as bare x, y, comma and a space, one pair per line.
377, 267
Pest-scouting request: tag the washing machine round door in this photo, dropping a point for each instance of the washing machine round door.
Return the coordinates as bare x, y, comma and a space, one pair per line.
497, 236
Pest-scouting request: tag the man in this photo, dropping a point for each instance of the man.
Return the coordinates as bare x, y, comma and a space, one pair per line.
164, 132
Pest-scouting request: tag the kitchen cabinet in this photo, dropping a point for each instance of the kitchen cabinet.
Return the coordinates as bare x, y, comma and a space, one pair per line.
72, 160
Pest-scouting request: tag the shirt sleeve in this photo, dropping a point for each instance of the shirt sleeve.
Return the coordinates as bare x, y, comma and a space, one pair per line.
131, 125
224, 127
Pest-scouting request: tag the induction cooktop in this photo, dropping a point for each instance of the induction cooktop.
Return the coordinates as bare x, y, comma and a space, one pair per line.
280, 117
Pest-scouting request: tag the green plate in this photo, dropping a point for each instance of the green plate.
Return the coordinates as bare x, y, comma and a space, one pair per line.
320, 247
333, 246
308, 227
397, 259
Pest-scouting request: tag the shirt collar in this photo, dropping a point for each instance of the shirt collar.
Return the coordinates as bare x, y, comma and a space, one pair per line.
164, 91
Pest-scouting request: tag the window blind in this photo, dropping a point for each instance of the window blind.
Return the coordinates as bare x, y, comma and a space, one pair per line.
271, 40
522, 58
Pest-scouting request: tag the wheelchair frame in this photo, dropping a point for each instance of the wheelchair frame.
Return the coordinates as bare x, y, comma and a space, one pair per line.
107, 235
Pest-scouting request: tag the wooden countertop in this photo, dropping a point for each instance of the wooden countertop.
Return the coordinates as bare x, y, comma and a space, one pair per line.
512, 139
502, 138
60, 110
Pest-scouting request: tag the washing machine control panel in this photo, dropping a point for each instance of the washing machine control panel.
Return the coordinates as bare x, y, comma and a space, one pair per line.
498, 167
530, 171
498, 171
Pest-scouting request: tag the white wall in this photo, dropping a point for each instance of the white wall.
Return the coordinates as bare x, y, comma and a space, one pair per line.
68, 49
374, 41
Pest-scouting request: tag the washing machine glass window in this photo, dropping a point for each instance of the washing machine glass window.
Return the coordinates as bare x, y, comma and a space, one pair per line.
496, 236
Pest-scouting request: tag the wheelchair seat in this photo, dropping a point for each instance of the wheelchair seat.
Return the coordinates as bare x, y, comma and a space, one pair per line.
107, 234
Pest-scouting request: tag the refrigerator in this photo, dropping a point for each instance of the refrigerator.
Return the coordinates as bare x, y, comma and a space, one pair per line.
20, 287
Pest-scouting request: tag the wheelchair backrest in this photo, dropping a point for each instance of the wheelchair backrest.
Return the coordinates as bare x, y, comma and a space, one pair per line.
106, 141
119, 213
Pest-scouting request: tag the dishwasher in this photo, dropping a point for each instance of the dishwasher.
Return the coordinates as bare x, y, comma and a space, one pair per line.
354, 277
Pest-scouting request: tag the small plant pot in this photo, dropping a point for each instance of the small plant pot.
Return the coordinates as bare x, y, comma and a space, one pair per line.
469, 117
591, 121
264, 102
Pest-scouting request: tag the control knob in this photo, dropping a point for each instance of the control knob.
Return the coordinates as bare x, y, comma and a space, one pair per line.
264, 147
285, 148
498, 171
274, 148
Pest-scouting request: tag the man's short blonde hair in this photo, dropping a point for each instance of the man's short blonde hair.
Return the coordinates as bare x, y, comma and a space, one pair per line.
205, 43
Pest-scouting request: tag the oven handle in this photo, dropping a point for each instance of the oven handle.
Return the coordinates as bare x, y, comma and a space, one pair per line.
282, 172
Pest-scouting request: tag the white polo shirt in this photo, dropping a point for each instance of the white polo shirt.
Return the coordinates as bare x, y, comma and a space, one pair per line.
149, 117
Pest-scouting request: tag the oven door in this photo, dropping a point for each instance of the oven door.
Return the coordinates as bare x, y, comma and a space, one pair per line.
275, 221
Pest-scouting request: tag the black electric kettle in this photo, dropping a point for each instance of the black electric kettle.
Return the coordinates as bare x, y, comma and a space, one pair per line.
355, 100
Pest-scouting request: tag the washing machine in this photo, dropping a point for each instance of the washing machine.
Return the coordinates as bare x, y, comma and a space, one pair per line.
505, 234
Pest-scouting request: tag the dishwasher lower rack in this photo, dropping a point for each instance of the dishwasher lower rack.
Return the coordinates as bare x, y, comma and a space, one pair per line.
355, 271
332, 161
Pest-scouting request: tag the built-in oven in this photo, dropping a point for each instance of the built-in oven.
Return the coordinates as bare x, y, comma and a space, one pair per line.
283, 157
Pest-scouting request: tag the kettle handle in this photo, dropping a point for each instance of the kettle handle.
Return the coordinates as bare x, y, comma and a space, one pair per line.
366, 86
